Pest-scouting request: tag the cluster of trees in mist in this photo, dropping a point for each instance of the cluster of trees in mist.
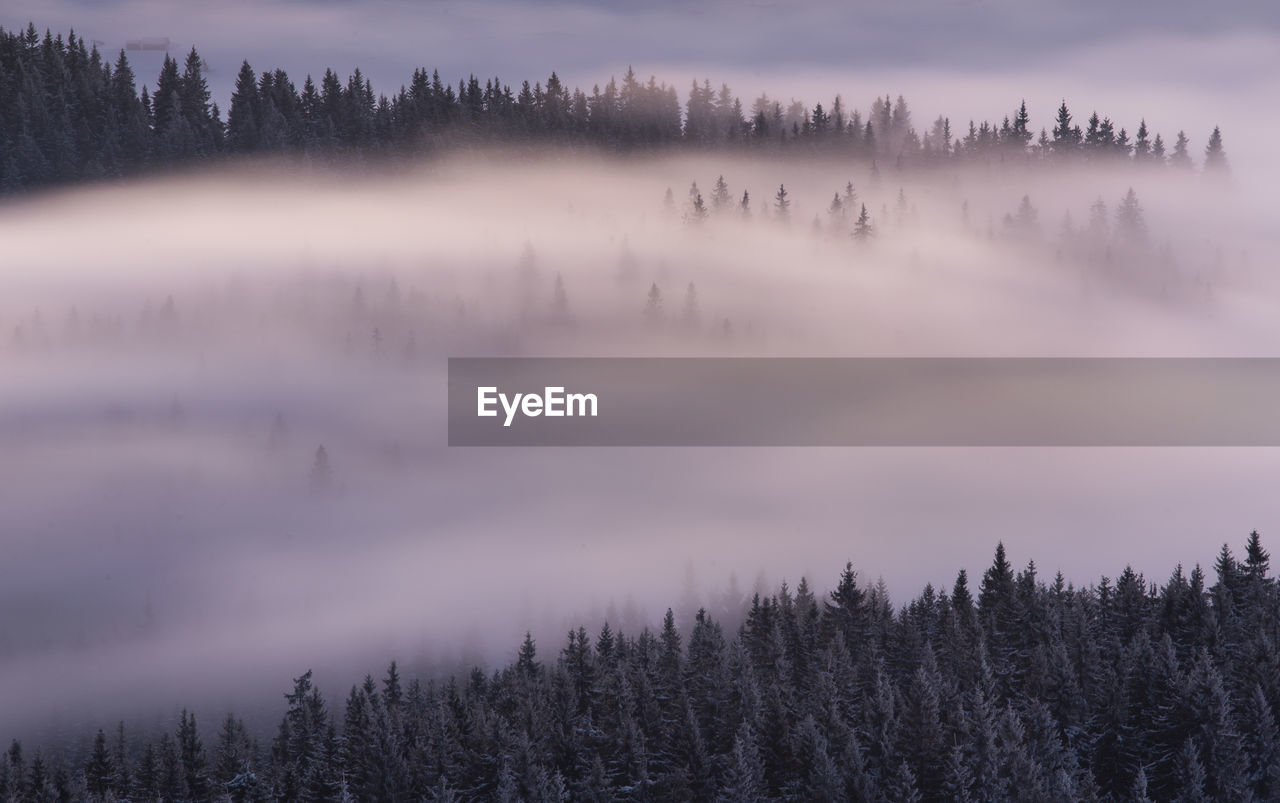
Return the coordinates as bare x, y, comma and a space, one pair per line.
1116, 243
1019, 689
373, 318
386, 322
69, 115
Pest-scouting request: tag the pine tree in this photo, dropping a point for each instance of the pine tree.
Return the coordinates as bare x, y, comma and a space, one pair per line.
901, 785
1066, 138
923, 736
1157, 151
121, 764
697, 212
1222, 749
1191, 777
1131, 227
197, 111
147, 777
305, 746
996, 609
745, 774
720, 194
1263, 746
232, 756
819, 777
1142, 144
192, 757
243, 116
1024, 223
526, 662
781, 204
957, 784
1215, 158
99, 773
862, 229
1022, 128
1181, 158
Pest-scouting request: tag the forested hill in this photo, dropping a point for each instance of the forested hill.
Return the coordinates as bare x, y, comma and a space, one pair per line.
1124, 690
68, 114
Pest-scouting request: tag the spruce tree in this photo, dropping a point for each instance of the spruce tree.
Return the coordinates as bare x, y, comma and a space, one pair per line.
99, 773
1158, 151
697, 212
197, 108
1131, 226
242, 118
166, 100
1142, 144
782, 204
1215, 158
862, 229
720, 194
1181, 158
192, 757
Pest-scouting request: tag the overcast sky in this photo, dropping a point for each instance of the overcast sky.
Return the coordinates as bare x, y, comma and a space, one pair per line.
587, 41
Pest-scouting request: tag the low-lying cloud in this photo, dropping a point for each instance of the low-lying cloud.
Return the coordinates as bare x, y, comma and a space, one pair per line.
172, 369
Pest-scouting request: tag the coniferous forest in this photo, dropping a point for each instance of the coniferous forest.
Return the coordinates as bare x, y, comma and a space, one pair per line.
195, 346
67, 113
1013, 687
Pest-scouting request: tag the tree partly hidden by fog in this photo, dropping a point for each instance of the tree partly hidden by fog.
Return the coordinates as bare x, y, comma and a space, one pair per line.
1016, 689
73, 115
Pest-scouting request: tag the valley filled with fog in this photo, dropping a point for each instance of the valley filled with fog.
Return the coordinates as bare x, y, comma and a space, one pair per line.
175, 351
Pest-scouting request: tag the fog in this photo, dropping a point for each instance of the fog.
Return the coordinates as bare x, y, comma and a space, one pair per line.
173, 365
173, 351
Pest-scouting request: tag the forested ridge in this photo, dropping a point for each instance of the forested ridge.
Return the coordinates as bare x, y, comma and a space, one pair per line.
1020, 688
68, 114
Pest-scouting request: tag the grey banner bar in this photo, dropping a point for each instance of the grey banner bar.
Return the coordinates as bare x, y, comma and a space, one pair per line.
865, 402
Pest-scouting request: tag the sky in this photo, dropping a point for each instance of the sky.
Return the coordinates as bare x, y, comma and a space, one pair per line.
163, 547
586, 42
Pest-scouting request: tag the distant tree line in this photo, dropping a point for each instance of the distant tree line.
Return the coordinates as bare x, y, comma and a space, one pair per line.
1026, 689
67, 114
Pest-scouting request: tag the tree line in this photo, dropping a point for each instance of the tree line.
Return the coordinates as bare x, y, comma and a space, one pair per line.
68, 114
1021, 688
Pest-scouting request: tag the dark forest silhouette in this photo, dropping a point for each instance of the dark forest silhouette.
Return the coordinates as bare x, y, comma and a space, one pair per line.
67, 114
1020, 688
